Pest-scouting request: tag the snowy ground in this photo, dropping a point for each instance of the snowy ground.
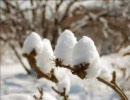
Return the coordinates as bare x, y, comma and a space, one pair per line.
15, 81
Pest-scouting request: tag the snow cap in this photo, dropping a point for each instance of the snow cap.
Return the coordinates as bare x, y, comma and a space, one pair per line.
64, 47
106, 73
64, 84
45, 57
63, 79
33, 41
85, 52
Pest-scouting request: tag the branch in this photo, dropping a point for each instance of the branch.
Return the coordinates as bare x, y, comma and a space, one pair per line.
40, 74
66, 97
41, 94
78, 70
82, 67
19, 58
114, 87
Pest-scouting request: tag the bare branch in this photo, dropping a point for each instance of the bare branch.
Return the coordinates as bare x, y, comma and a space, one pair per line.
41, 94
19, 58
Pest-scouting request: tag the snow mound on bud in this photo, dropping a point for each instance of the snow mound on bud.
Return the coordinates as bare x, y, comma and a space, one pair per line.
64, 46
85, 52
33, 41
47, 96
106, 73
94, 69
63, 78
16, 97
64, 84
44, 58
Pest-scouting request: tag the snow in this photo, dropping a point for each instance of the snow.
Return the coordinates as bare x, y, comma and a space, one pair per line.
17, 97
105, 73
60, 73
64, 47
63, 78
85, 51
94, 69
33, 41
94, 4
45, 57
15, 81
47, 96
64, 83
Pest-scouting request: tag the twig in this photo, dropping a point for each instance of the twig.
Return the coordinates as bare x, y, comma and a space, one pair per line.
16, 53
41, 94
114, 87
113, 81
66, 97
78, 70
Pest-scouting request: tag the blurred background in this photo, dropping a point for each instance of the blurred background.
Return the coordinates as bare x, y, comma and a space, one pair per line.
107, 22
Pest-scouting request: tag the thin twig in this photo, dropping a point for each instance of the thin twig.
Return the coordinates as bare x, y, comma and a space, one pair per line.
41, 94
19, 58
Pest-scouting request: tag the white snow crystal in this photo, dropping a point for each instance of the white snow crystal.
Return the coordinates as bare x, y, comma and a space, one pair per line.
17, 97
44, 58
33, 41
85, 51
64, 46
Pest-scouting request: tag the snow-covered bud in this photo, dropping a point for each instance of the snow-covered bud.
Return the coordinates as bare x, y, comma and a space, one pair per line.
106, 73
44, 58
85, 52
64, 80
33, 41
64, 47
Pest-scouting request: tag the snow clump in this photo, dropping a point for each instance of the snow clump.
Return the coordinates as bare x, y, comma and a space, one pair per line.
45, 57
85, 52
64, 47
33, 41
63, 80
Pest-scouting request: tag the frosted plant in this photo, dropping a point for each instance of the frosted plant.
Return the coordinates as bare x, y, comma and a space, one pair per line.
64, 47
85, 52
33, 41
81, 58
44, 58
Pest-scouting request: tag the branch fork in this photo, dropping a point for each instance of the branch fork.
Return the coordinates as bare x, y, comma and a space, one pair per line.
63, 94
